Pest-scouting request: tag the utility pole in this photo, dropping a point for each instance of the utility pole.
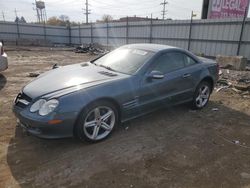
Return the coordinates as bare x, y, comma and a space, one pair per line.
164, 9
17, 26
87, 11
151, 28
127, 30
241, 31
3, 16
190, 29
15, 12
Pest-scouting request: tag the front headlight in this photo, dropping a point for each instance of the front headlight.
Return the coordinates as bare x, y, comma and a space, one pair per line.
37, 105
44, 107
48, 107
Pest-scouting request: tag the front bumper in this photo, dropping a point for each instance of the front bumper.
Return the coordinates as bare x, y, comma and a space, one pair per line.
3, 62
39, 126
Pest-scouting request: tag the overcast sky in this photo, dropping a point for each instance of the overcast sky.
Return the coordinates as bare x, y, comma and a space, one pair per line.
176, 9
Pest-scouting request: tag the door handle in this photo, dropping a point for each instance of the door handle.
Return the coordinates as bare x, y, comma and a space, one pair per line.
186, 75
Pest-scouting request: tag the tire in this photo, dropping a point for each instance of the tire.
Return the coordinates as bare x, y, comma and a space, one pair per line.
96, 122
201, 95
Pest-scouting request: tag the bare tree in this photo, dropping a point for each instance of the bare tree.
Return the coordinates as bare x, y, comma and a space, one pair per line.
107, 18
62, 20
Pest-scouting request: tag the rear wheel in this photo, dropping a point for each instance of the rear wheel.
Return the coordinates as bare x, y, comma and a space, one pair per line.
201, 95
97, 122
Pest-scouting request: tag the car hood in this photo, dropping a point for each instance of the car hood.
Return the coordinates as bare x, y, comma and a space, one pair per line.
68, 79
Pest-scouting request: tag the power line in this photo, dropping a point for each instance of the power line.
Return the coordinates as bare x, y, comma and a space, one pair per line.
164, 9
122, 3
178, 7
121, 9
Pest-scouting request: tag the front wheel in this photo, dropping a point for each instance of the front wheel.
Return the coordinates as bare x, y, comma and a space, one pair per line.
97, 122
201, 95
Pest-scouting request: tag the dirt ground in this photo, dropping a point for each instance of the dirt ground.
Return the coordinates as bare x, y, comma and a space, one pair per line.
174, 147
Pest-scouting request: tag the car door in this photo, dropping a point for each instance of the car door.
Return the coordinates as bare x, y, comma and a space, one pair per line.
173, 88
193, 70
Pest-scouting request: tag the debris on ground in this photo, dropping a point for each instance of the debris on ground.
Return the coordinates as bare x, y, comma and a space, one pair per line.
166, 169
93, 49
123, 170
236, 141
236, 90
82, 49
237, 81
215, 109
245, 175
55, 66
33, 74
220, 72
242, 87
220, 88
246, 81
224, 82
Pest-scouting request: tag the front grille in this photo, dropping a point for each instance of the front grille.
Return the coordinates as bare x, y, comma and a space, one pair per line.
22, 100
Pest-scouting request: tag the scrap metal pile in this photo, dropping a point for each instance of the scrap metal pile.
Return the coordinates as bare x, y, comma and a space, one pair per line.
94, 49
237, 81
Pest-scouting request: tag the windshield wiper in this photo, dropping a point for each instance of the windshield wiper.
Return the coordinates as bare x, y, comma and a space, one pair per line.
107, 67
93, 60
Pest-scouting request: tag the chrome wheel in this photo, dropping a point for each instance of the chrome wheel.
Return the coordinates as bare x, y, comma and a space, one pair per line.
99, 123
203, 96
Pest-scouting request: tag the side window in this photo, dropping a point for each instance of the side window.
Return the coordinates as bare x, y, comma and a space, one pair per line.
170, 62
189, 61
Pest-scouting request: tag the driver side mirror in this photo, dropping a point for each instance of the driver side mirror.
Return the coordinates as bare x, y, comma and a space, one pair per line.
155, 75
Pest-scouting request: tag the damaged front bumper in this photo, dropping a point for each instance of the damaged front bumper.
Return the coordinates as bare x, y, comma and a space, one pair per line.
39, 126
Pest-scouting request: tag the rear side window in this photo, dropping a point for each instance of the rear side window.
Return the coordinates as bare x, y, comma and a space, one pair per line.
169, 62
189, 61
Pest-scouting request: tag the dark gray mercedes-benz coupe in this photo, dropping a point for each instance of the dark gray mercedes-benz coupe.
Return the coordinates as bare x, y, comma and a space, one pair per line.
88, 100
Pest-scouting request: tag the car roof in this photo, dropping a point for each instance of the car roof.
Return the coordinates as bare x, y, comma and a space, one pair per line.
150, 47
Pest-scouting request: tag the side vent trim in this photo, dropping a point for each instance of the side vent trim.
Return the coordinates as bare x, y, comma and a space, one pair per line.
108, 73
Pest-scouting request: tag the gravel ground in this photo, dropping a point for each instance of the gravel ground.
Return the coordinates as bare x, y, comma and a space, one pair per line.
174, 147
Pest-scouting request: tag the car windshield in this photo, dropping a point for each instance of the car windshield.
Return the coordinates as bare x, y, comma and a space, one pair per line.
124, 60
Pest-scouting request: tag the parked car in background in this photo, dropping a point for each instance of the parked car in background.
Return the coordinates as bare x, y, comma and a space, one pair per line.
88, 100
3, 58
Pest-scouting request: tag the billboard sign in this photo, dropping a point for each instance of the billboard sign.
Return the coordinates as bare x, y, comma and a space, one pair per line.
227, 8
